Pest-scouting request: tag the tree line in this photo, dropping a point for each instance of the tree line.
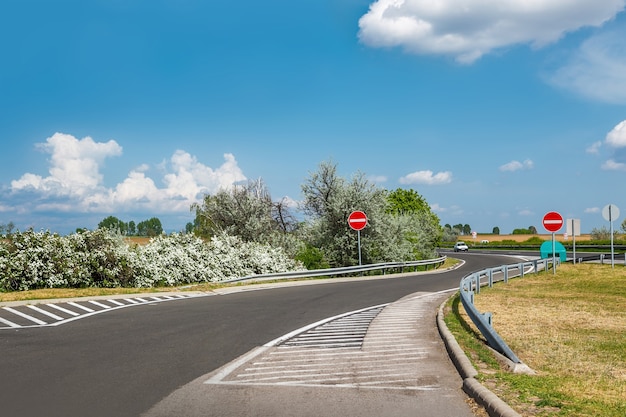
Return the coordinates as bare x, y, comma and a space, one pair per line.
151, 227
401, 225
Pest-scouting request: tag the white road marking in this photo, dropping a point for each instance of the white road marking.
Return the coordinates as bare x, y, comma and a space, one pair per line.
65, 310
87, 309
45, 313
24, 315
99, 304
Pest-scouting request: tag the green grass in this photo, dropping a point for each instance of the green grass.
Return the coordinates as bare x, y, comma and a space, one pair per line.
569, 327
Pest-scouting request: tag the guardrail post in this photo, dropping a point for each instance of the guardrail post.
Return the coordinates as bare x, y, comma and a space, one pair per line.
488, 318
505, 271
477, 284
490, 274
521, 270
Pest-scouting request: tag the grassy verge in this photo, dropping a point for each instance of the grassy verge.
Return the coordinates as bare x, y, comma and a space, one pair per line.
569, 327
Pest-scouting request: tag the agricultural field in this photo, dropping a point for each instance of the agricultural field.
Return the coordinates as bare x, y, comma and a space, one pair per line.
521, 238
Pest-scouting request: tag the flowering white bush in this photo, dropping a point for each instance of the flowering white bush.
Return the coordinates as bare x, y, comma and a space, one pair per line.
101, 258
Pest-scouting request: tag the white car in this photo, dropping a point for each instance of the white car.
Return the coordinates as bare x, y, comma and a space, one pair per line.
460, 247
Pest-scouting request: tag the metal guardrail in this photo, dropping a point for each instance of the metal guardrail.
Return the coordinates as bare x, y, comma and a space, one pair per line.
471, 284
333, 272
599, 257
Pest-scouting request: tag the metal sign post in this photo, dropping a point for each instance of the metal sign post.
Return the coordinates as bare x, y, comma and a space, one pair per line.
573, 228
610, 213
553, 222
357, 220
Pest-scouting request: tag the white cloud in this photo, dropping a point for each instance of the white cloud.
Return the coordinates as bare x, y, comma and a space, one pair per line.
594, 148
617, 137
597, 69
75, 166
76, 185
592, 210
468, 29
526, 212
427, 177
517, 165
612, 165
378, 179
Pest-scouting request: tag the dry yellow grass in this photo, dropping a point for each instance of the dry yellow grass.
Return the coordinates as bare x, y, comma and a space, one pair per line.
570, 326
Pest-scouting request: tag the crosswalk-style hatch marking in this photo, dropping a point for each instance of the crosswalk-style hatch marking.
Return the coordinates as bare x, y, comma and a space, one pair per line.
54, 314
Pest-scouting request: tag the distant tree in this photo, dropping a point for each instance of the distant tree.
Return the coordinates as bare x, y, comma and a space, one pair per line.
532, 230
7, 229
450, 234
458, 228
522, 232
132, 228
189, 227
496, 230
115, 224
151, 227
467, 230
624, 226
602, 233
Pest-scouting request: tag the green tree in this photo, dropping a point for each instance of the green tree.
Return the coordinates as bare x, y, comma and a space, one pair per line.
496, 230
132, 228
114, 224
151, 227
421, 224
246, 211
329, 199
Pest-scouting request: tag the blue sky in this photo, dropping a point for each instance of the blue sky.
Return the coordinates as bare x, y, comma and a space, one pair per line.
496, 112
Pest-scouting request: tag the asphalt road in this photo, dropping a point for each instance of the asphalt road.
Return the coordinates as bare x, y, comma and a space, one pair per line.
122, 362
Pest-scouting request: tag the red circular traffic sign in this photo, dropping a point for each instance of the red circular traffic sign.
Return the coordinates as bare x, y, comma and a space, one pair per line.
552, 221
357, 220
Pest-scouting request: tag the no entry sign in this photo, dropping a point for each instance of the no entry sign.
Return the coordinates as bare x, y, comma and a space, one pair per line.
552, 221
357, 220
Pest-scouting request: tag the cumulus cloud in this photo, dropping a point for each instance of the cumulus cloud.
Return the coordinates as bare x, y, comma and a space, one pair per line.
74, 166
617, 137
517, 165
75, 184
612, 165
615, 142
592, 210
597, 69
427, 177
469, 29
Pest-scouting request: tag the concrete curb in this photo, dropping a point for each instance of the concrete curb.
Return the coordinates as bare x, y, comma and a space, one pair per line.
493, 404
